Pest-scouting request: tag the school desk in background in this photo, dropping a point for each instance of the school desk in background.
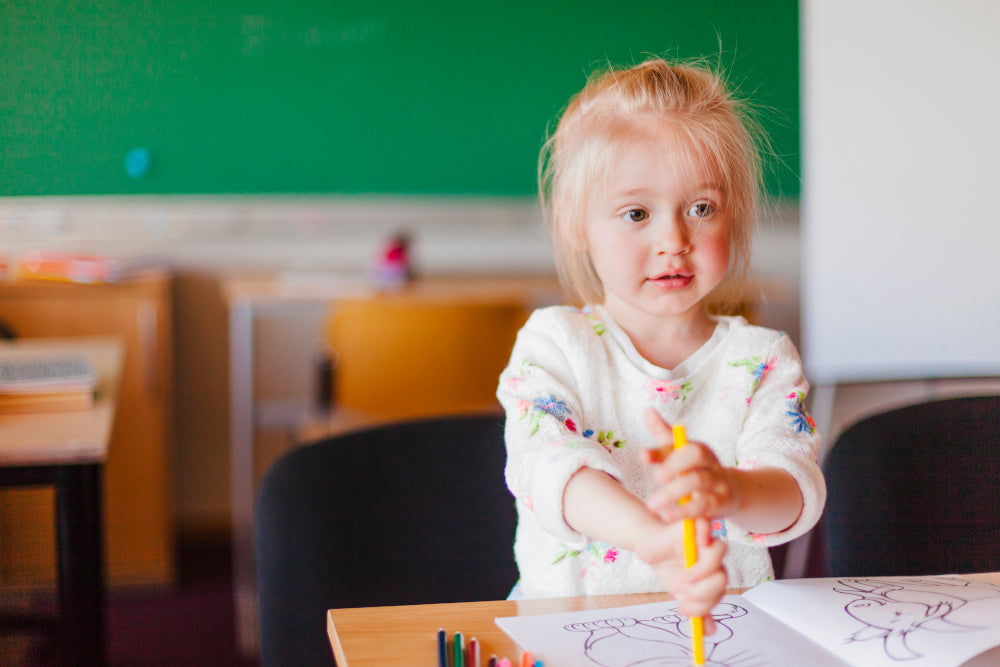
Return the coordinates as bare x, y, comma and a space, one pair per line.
67, 450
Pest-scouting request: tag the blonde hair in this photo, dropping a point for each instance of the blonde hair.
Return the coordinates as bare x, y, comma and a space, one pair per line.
589, 138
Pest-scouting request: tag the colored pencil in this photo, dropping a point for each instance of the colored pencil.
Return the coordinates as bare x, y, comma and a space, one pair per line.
442, 648
459, 647
474, 653
690, 558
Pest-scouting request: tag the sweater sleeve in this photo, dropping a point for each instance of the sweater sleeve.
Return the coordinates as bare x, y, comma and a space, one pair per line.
540, 393
778, 432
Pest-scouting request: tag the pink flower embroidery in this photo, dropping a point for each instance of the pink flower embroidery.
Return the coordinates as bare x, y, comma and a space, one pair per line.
610, 555
664, 392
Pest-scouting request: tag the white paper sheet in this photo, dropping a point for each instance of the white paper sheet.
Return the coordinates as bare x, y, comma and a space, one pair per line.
867, 622
654, 635
911, 621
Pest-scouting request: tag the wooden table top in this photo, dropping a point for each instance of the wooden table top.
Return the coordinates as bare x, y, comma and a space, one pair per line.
77, 436
453, 289
361, 633
407, 635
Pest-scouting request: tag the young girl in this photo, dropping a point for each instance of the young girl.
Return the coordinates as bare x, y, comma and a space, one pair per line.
651, 181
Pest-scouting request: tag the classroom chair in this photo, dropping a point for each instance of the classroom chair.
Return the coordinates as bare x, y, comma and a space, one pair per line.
402, 358
413, 512
916, 491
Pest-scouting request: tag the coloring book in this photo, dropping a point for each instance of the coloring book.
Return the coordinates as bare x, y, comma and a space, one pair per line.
933, 621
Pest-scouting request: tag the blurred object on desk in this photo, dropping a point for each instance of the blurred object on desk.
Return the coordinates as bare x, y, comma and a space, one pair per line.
83, 266
44, 382
392, 267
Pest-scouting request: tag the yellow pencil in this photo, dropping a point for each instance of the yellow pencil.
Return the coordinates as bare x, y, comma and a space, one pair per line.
690, 558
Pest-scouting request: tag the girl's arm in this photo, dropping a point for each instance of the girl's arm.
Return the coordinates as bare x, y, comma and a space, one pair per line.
761, 500
596, 505
546, 432
768, 500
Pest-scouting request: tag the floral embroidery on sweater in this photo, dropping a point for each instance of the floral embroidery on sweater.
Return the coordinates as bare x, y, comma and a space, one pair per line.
608, 441
539, 407
801, 421
597, 325
595, 320
757, 367
597, 554
661, 391
524, 371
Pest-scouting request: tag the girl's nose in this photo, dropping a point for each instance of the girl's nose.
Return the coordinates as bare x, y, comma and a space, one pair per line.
672, 239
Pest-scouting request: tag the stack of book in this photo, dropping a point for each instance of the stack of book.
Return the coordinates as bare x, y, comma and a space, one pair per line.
83, 266
45, 383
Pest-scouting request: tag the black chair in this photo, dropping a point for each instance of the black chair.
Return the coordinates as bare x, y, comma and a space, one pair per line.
406, 513
916, 491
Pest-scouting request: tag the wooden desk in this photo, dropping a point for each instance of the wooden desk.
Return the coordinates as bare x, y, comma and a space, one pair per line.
403, 636
389, 636
67, 450
251, 298
139, 546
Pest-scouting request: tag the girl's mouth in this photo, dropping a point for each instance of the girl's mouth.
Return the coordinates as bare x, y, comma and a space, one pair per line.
672, 280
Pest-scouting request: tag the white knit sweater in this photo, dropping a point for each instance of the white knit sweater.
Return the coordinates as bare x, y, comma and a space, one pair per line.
574, 394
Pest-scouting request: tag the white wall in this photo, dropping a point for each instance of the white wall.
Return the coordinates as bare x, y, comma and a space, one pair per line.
900, 218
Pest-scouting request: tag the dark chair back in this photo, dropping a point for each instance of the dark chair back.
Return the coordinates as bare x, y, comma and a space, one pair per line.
407, 513
915, 491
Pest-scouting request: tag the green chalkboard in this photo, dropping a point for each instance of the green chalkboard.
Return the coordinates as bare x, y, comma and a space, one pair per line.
108, 97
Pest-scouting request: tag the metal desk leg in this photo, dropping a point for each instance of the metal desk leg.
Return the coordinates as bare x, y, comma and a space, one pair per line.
242, 471
79, 523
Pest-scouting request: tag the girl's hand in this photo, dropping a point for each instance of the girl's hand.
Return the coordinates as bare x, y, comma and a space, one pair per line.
698, 588
692, 472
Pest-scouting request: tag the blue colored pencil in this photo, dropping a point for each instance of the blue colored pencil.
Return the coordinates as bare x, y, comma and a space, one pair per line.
442, 648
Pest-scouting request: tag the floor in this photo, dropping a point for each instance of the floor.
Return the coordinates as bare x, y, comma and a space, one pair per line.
189, 624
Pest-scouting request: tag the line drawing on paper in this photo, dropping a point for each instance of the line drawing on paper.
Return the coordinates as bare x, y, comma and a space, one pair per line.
897, 611
661, 641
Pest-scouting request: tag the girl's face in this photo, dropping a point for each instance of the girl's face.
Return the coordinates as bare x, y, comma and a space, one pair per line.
658, 232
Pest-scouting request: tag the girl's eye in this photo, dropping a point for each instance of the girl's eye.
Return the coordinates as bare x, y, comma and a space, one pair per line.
702, 209
635, 215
